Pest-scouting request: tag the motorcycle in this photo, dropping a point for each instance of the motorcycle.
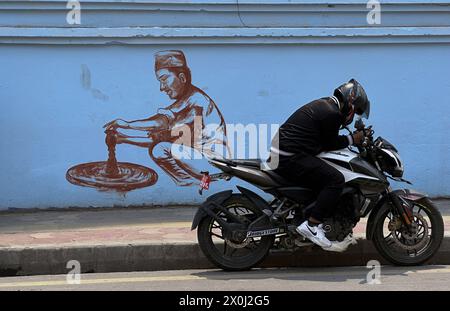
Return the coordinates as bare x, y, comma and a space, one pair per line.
236, 231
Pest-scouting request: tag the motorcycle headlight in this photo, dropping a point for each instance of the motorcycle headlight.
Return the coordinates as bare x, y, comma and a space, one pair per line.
391, 162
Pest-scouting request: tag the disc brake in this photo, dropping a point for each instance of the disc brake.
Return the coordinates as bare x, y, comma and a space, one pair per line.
409, 235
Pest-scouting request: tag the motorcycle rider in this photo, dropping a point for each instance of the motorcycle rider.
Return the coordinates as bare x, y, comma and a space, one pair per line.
314, 128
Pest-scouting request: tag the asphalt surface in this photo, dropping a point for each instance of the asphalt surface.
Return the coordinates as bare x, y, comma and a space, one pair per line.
427, 278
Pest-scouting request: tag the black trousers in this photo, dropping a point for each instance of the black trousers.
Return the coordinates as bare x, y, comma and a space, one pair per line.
311, 172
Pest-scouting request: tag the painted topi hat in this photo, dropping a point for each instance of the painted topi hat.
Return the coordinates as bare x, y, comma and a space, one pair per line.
169, 59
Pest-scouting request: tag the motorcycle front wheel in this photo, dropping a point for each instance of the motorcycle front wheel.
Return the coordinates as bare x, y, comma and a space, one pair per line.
227, 254
405, 247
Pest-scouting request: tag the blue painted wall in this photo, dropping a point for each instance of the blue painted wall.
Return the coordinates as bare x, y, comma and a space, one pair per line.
51, 119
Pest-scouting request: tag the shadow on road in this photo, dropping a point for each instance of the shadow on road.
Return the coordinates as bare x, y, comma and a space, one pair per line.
335, 274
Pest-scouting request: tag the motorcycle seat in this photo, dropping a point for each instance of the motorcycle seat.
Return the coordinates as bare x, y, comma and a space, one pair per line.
245, 162
279, 179
248, 162
258, 164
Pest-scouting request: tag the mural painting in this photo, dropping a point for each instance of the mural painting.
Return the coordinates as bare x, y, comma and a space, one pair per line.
190, 128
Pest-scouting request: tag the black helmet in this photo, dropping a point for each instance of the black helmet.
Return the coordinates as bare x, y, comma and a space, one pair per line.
353, 93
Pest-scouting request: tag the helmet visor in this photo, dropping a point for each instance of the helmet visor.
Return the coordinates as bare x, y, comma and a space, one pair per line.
367, 111
364, 113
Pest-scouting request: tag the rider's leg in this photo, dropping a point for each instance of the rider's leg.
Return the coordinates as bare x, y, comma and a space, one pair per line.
325, 180
328, 182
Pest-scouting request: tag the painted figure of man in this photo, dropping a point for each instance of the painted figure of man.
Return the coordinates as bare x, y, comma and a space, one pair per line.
191, 126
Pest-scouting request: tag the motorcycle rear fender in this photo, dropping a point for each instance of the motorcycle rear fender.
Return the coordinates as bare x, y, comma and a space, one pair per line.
210, 203
218, 198
254, 198
407, 194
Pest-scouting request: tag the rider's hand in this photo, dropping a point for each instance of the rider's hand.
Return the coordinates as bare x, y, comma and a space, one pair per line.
358, 137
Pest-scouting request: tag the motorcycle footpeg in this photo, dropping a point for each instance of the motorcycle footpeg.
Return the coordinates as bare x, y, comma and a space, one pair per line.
303, 243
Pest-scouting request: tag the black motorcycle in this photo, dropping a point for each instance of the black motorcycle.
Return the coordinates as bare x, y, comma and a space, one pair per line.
236, 231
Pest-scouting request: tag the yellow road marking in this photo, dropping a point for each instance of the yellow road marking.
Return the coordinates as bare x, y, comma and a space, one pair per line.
104, 281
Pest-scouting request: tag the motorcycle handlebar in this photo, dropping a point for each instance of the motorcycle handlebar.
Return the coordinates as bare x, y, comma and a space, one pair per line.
368, 134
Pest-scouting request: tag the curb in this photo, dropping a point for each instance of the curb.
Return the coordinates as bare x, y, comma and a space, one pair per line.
152, 257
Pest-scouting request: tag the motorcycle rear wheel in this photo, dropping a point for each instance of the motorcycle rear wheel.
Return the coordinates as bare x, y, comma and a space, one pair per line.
233, 255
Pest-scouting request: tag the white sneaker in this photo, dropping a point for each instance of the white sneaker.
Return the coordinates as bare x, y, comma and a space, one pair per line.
314, 233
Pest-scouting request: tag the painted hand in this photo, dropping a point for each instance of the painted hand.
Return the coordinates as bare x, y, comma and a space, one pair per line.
120, 138
117, 123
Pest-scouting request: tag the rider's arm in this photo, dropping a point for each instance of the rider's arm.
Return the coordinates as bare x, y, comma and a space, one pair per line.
331, 140
338, 142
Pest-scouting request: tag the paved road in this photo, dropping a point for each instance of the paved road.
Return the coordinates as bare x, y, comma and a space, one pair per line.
432, 278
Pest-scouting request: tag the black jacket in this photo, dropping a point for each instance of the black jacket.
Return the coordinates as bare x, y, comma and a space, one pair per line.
312, 129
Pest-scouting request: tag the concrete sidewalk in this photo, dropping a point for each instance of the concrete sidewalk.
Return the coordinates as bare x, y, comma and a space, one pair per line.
136, 239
